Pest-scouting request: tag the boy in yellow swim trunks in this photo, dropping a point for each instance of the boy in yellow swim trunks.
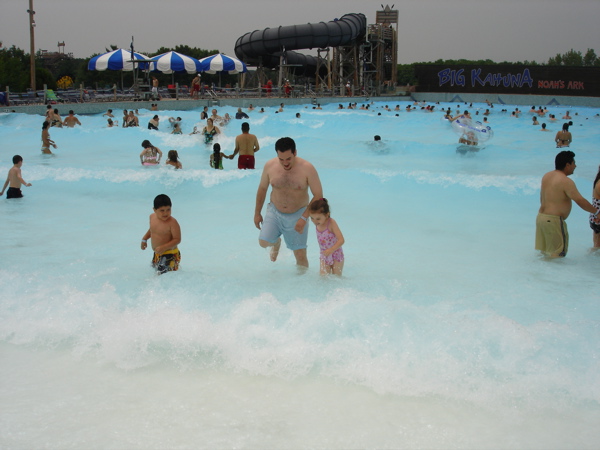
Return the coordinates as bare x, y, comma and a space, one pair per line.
165, 234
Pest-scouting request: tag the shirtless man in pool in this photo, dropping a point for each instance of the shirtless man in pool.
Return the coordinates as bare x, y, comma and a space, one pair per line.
290, 178
557, 193
246, 144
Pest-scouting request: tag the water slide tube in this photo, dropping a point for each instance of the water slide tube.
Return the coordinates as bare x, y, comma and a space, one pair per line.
268, 45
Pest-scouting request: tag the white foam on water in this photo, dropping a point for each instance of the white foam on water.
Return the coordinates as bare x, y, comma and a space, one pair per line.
447, 330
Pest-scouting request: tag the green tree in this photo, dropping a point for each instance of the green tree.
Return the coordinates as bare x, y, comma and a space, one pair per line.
590, 58
14, 69
573, 58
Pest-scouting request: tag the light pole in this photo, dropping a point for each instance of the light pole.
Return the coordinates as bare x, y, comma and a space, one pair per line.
31, 45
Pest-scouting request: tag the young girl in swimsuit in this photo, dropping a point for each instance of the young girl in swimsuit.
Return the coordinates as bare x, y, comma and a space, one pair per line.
151, 155
216, 158
329, 236
596, 203
173, 159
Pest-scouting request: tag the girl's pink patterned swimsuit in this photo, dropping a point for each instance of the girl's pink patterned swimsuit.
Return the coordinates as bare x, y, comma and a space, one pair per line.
327, 240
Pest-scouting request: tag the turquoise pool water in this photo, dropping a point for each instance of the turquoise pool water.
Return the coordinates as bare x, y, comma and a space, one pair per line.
447, 329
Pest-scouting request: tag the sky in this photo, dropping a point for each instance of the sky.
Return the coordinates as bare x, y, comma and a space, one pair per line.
500, 30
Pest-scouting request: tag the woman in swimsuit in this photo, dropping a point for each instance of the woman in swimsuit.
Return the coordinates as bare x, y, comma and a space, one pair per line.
596, 204
209, 131
151, 155
132, 120
563, 137
46, 141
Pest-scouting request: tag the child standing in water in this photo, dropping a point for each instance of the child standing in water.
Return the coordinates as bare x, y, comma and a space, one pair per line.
216, 158
173, 159
329, 236
14, 179
165, 235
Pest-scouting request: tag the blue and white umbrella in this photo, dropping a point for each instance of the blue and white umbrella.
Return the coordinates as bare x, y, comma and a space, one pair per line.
175, 62
117, 60
222, 63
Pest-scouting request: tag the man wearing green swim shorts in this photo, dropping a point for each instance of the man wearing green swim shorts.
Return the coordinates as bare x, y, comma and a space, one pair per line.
556, 196
290, 178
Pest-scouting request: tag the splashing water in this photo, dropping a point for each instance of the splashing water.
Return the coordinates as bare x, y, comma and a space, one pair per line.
447, 330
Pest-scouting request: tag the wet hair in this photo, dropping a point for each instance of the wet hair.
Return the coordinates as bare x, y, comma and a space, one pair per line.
71, 111
216, 155
563, 158
146, 143
284, 144
377, 137
17, 159
565, 127
172, 155
45, 125
162, 200
320, 206
245, 126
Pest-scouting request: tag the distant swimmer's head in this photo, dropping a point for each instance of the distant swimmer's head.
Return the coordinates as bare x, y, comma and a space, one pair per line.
162, 200
17, 159
45, 125
377, 137
146, 144
245, 127
217, 148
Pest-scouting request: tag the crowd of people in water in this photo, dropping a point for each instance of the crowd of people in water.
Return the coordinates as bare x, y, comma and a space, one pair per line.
290, 208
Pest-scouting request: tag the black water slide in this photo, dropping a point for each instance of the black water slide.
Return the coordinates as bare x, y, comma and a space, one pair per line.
265, 47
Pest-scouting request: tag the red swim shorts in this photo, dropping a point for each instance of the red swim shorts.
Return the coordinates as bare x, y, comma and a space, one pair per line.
246, 162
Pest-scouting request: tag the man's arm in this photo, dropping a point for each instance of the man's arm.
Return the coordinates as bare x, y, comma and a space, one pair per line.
573, 194
314, 183
237, 148
261, 195
256, 146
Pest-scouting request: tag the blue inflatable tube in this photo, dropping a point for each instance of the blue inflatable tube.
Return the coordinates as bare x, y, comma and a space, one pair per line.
267, 46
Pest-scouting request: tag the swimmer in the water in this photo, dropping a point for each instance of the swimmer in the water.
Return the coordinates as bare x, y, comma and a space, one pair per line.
151, 155
46, 141
563, 138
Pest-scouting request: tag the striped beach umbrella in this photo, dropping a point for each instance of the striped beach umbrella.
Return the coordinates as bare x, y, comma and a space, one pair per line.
171, 62
119, 59
222, 63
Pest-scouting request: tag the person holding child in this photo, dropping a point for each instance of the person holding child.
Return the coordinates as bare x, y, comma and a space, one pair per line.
329, 236
165, 235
